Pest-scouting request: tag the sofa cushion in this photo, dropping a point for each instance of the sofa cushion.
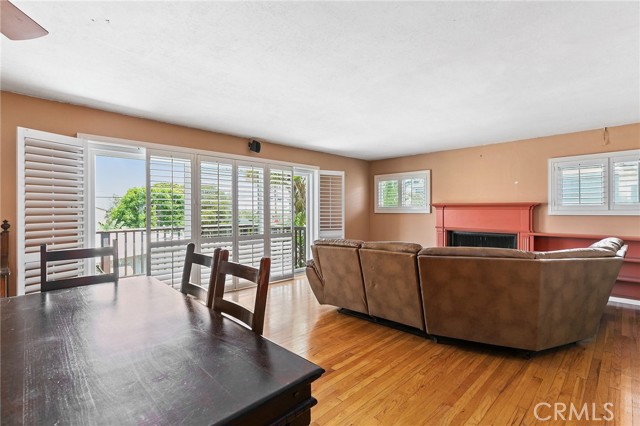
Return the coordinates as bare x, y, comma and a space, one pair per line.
476, 252
338, 242
575, 253
611, 243
394, 246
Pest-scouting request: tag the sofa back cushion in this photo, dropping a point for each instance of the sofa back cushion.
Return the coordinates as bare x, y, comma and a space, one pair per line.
393, 246
391, 281
578, 253
476, 252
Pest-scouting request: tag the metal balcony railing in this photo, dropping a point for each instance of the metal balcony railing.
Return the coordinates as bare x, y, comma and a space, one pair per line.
132, 244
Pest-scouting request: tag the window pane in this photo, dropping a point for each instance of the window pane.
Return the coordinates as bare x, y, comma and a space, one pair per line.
281, 200
625, 182
582, 185
170, 203
216, 197
250, 200
413, 192
388, 193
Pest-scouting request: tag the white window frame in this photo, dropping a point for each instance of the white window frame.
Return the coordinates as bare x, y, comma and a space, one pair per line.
399, 177
312, 207
609, 208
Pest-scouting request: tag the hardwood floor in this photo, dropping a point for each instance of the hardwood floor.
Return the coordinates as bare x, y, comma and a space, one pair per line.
376, 375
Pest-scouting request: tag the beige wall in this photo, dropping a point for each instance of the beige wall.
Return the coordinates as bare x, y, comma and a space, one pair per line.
65, 119
514, 171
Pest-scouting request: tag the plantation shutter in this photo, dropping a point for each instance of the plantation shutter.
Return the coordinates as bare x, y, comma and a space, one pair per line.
582, 184
626, 182
281, 221
331, 205
169, 214
250, 219
216, 210
51, 203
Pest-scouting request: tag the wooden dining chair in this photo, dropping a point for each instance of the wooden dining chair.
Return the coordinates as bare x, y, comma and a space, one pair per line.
190, 288
260, 276
77, 254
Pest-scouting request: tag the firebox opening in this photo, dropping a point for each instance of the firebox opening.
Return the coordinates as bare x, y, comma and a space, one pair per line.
481, 239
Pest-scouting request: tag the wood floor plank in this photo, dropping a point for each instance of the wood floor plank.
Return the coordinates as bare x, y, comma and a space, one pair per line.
376, 375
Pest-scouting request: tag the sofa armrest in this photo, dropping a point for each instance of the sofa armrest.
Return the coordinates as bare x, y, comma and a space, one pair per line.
622, 252
315, 280
611, 243
312, 264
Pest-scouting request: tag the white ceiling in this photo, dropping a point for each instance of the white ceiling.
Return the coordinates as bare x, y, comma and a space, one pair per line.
368, 80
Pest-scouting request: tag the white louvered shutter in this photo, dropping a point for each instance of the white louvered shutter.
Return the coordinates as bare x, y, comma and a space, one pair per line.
250, 219
51, 203
331, 204
626, 183
216, 210
169, 214
582, 185
281, 222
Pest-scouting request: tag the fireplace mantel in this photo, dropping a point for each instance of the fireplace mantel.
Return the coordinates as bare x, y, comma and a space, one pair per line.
509, 218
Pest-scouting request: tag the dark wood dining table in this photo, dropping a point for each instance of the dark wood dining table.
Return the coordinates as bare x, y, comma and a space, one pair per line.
139, 352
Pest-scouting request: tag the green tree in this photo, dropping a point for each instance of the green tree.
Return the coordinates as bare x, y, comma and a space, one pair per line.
167, 208
216, 211
167, 205
390, 193
127, 212
300, 200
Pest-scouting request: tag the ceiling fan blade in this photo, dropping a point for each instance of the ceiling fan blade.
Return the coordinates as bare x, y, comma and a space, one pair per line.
16, 25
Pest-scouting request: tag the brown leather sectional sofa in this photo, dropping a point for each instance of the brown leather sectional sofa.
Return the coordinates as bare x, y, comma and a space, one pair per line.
519, 299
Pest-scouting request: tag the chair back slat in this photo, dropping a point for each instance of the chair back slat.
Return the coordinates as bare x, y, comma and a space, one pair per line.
260, 276
202, 259
231, 308
241, 271
77, 282
77, 254
192, 289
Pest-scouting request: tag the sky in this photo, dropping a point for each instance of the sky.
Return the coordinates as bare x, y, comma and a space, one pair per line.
114, 176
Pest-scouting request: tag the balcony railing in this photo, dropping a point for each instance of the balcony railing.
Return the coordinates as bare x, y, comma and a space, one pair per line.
299, 247
132, 244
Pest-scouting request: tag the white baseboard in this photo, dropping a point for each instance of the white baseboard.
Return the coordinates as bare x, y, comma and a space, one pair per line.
625, 301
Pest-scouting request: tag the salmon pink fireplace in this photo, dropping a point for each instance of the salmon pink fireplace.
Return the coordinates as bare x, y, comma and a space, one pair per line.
513, 220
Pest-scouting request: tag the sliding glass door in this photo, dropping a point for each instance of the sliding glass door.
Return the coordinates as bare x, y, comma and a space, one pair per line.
152, 202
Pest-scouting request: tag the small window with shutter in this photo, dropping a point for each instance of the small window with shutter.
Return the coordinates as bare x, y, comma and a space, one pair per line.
595, 184
403, 192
